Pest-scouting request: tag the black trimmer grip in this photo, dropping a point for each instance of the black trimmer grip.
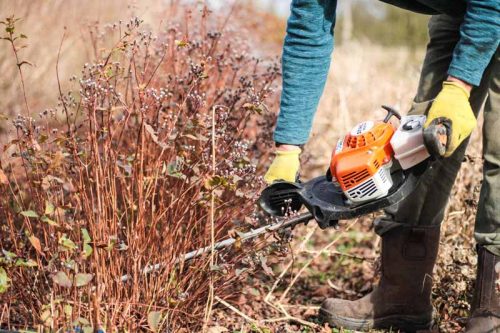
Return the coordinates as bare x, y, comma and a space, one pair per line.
390, 112
436, 136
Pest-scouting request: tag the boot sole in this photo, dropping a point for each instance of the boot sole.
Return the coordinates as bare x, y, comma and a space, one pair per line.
406, 323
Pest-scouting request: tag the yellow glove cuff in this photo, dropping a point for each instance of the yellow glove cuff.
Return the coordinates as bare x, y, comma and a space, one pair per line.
455, 88
288, 152
285, 166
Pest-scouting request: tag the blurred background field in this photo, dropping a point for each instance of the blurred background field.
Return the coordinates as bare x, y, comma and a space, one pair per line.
376, 61
45, 23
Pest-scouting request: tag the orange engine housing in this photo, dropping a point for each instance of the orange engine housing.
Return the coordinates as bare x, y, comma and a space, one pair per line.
361, 153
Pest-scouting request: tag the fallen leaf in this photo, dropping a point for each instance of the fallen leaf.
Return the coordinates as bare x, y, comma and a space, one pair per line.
82, 279
263, 264
237, 242
154, 319
29, 213
254, 292
85, 235
26, 263
87, 250
62, 279
49, 208
9, 255
67, 243
182, 43
3, 178
49, 221
68, 310
4, 280
154, 137
46, 317
46, 181
36, 243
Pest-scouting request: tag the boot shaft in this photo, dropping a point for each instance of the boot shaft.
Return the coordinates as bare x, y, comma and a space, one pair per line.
485, 307
408, 258
486, 291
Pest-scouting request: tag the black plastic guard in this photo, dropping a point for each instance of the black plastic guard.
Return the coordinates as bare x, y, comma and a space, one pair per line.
326, 202
281, 198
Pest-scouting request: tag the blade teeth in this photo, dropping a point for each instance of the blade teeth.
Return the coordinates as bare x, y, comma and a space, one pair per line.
283, 198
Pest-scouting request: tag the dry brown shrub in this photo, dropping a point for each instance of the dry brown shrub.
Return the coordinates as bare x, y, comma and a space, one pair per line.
121, 174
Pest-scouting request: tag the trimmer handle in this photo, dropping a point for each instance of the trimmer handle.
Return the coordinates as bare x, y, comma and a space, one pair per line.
437, 135
390, 112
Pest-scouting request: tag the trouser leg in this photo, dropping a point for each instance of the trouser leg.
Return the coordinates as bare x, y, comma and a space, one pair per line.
426, 205
487, 228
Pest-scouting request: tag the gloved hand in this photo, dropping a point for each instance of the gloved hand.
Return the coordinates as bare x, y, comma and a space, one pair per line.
452, 108
285, 166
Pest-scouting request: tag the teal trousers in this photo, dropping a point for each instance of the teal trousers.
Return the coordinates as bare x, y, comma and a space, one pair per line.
426, 206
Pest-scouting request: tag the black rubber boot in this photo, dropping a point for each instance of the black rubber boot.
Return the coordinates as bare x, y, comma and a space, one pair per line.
402, 299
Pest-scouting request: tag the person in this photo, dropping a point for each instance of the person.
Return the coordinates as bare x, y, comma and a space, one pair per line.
460, 72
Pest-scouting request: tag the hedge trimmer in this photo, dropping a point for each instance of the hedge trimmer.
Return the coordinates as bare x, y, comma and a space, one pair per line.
375, 165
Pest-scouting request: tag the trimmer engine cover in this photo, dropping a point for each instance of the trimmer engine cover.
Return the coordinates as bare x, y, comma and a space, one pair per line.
362, 159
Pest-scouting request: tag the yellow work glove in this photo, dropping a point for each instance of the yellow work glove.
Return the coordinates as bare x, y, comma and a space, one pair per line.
285, 166
452, 108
